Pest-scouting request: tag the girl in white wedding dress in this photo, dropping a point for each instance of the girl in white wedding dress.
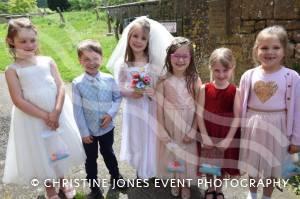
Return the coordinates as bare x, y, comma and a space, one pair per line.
141, 50
40, 106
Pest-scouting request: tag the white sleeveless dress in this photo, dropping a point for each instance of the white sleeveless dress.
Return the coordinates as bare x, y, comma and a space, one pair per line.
27, 156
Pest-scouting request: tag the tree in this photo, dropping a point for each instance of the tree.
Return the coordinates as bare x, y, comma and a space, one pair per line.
62, 4
42, 3
21, 6
83, 4
3, 7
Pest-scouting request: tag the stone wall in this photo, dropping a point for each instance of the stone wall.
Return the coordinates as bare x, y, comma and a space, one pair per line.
229, 23
246, 18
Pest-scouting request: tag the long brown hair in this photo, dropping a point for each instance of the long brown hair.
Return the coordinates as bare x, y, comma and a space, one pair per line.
14, 26
190, 72
145, 25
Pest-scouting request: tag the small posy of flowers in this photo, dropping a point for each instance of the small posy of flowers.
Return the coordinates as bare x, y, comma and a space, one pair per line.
176, 166
140, 81
58, 155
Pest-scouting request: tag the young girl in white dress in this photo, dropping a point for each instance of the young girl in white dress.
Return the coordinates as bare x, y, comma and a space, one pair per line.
141, 49
40, 106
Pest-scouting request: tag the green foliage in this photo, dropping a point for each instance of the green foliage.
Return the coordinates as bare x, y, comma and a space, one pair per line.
295, 183
87, 4
3, 7
83, 4
62, 4
21, 6
44, 10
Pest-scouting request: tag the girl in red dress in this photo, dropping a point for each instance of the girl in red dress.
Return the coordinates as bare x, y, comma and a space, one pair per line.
218, 120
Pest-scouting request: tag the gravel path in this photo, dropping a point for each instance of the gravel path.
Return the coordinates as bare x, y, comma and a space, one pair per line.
28, 192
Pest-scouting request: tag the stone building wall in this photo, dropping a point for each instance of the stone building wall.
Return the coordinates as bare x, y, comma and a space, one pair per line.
246, 18
230, 23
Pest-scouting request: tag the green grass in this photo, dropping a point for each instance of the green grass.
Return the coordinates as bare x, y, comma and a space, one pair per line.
295, 184
60, 42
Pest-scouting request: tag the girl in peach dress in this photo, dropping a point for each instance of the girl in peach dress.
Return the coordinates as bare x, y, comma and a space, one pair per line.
176, 116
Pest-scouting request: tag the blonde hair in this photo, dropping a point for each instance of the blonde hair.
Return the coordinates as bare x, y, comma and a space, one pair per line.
145, 25
14, 26
277, 31
89, 45
224, 56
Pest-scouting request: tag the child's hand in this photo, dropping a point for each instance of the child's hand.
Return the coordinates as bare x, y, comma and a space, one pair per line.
53, 125
150, 92
224, 144
87, 139
207, 142
186, 139
294, 149
190, 136
105, 121
53, 116
136, 95
53, 120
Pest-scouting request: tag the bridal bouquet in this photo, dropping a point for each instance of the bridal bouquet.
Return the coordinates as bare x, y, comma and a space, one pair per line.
140, 81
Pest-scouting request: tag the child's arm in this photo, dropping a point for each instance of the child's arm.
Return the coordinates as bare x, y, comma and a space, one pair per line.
150, 92
294, 148
193, 132
206, 141
116, 99
60, 96
295, 138
162, 132
125, 92
191, 135
242, 91
17, 97
234, 124
78, 112
116, 102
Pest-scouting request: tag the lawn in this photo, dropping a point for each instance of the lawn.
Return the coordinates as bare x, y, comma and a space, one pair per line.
60, 42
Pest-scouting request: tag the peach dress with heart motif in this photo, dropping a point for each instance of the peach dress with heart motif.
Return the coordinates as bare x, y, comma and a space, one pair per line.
264, 142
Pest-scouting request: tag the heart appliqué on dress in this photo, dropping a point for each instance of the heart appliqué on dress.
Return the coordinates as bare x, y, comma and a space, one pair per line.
265, 90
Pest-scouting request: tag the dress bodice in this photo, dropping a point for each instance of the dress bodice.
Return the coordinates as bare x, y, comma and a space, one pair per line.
36, 78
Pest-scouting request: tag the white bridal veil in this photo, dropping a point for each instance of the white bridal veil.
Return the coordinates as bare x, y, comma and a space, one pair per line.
159, 40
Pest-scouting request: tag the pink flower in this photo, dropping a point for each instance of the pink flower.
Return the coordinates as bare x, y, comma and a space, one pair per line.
176, 164
147, 79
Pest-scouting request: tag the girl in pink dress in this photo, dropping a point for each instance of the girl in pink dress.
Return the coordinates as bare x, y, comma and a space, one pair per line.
177, 124
271, 104
219, 120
